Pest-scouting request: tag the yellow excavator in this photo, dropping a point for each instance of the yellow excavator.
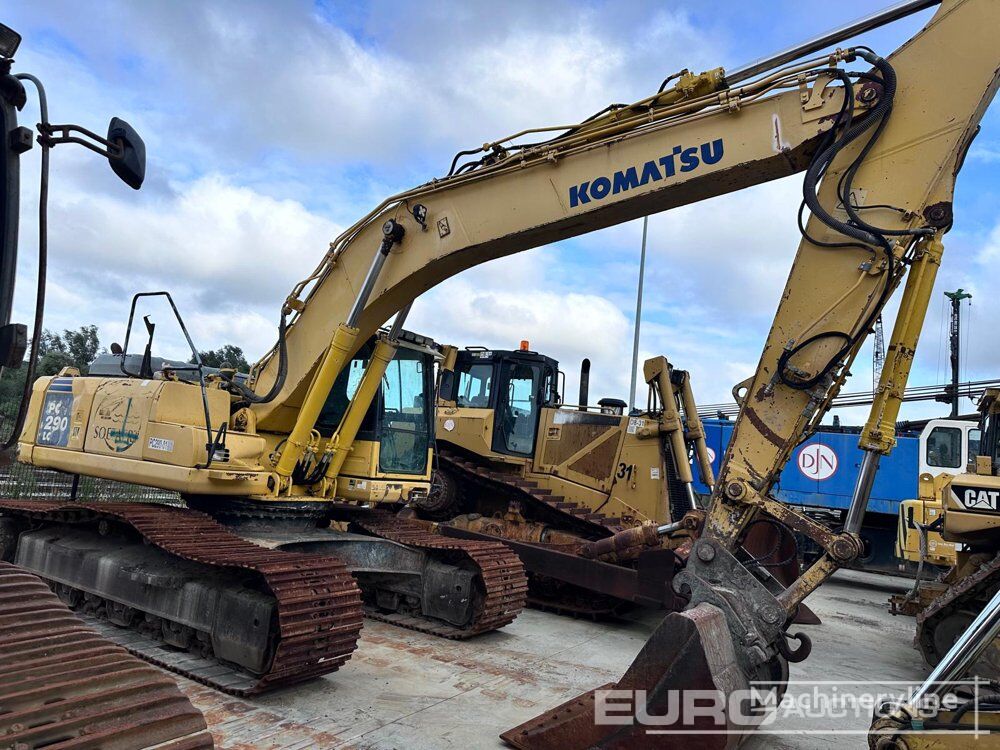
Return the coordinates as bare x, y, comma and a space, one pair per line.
964, 512
880, 140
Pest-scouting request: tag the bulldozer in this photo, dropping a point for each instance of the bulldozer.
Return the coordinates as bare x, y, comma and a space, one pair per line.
518, 463
253, 579
608, 484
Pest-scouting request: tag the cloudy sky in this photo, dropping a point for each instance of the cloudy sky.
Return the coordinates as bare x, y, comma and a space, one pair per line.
271, 125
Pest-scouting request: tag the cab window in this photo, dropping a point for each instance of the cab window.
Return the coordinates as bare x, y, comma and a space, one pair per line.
518, 414
405, 434
975, 441
474, 386
342, 392
944, 447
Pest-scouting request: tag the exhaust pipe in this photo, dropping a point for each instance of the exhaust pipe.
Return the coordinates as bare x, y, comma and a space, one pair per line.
584, 384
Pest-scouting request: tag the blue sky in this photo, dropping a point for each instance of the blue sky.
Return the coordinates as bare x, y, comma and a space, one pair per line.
271, 125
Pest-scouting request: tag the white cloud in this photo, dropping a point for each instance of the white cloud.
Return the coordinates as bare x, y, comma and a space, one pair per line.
311, 114
228, 255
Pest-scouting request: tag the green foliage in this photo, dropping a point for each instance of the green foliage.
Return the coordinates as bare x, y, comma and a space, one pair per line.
228, 355
69, 349
55, 351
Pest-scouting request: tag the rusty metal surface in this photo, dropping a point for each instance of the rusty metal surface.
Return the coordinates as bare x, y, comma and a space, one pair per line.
505, 584
318, 602
648, 584
688, 651
625, 545
962, 595
64, 686
575, 516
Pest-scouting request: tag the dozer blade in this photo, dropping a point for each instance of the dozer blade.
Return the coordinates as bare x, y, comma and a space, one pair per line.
689, 651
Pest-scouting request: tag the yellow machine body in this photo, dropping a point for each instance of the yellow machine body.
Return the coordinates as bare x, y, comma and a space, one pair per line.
913, 543
600, 457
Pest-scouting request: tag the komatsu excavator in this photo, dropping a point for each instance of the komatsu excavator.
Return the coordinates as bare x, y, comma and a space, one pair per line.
880, 140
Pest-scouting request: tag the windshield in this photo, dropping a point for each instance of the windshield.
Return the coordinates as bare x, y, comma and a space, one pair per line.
399, 417
405, 433
474, 386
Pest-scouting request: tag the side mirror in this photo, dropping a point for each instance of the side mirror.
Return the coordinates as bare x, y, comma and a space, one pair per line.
130, 163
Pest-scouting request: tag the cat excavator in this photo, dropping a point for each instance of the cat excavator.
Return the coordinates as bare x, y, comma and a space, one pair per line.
962, 511
880, 140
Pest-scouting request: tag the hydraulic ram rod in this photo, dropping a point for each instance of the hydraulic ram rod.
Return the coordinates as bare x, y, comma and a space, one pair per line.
834, 36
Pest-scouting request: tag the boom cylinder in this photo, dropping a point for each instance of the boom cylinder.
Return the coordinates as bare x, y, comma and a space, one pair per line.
343, 439
878, 437
335, 358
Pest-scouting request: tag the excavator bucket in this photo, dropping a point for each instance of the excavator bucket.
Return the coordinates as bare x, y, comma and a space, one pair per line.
688, 661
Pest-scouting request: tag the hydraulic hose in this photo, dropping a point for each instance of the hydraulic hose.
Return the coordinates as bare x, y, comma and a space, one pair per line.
43, 262
856, 228
248, 396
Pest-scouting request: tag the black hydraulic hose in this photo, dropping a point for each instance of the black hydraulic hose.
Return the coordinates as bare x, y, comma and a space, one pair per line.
43, 262
981, 701
855, 228
823, 160
249, 397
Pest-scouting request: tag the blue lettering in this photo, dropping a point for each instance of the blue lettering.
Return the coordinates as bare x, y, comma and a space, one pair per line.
650, 172
668, 162
626, 180
600, 188
711, 152
689, 159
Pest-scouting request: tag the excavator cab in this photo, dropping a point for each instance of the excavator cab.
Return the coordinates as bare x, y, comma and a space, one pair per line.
394, 441
514, 385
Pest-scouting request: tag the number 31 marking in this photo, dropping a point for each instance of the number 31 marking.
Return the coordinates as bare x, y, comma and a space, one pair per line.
625, 471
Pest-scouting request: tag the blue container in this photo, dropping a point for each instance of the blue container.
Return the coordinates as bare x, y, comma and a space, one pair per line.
821, 472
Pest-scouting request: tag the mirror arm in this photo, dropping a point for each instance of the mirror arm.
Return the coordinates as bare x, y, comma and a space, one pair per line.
48, 137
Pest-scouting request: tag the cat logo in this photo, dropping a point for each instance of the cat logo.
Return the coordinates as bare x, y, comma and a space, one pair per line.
976, 498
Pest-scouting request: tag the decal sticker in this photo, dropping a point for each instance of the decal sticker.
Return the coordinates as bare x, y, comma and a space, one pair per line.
118, 426
680, 159
654, 472
161, 444
817, 461
53, 426
635, 424
449, 424
977, 498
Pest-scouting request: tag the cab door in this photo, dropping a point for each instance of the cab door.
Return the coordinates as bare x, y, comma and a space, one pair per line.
523, 387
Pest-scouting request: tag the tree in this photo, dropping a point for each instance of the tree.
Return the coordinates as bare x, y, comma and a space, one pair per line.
55, 351
228, 356
69, 349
